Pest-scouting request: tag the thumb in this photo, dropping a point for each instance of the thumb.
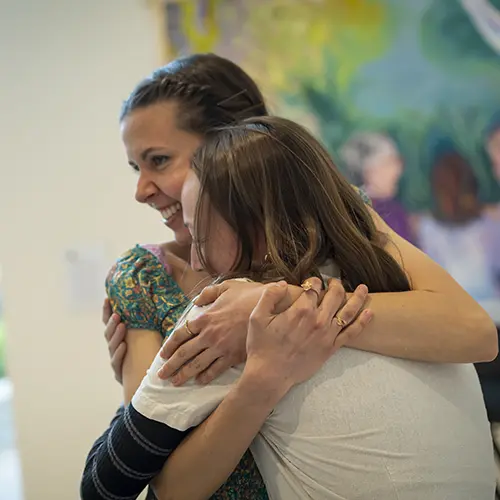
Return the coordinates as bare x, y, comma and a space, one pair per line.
272, 295
210, 294
106, 311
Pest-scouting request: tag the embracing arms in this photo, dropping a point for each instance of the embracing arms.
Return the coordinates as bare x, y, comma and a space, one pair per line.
437, 321
283, 350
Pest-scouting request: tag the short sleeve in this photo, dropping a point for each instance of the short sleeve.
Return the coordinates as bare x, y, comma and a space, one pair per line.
181, 407
363, 195
142, 292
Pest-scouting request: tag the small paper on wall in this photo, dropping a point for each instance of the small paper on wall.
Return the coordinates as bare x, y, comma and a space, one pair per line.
86, 269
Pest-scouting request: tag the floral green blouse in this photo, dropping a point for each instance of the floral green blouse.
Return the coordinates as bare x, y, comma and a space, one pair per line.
145, 295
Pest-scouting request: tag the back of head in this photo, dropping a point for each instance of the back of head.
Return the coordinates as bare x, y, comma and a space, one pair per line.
269, 175
211, 91
455, 190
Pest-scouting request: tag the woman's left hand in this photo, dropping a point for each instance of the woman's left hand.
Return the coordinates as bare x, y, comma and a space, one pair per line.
220, 334
221, 331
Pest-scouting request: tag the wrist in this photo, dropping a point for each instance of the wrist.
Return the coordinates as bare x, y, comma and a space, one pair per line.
260, 386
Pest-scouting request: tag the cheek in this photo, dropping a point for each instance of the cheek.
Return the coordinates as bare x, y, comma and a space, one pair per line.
495, 156
172, 180
225, 251
221, 249
195, 261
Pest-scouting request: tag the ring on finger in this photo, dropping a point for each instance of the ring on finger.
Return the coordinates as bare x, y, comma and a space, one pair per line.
342, 323
307, 286
190, 332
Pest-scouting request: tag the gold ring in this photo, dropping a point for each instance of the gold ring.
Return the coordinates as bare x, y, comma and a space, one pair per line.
341, 322
307, 286
186, 325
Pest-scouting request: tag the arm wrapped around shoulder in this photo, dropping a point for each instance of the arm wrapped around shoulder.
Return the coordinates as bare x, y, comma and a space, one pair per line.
186, 406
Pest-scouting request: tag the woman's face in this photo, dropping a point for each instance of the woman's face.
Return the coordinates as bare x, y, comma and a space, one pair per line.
220, 247
161, 155
493, 148
382, 175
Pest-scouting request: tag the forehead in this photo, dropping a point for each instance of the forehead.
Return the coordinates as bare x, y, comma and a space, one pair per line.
155, 127
155, 121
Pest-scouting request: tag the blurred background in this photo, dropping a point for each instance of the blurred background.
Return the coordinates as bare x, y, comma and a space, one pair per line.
405, 94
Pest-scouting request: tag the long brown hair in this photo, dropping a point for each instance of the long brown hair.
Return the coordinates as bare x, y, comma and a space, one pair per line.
269, 175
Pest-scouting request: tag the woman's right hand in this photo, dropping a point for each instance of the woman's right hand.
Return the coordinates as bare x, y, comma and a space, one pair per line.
114, 333
286, 349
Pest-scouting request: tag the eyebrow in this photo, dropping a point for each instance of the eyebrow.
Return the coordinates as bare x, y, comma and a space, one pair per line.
148, 151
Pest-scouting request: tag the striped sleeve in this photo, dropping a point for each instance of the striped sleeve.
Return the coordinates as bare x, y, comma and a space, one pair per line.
127, 457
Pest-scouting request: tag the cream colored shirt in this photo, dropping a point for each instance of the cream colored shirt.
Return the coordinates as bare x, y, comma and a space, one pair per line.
364, 427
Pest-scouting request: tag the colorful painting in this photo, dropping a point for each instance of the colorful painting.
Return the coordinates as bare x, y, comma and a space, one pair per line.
404, 93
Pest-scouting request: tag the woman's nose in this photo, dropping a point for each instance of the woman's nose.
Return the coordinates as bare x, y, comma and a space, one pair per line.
145, 188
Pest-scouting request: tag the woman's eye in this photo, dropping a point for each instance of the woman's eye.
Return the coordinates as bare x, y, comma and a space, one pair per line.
134, 167
160, 160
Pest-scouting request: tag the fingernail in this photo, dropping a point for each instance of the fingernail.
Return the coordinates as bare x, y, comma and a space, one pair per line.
363, 288
368, 314
282, 283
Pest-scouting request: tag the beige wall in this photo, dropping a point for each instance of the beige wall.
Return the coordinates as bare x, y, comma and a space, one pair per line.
65, 67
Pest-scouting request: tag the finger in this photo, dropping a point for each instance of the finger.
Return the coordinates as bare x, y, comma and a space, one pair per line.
218, 367
306, 305
117, 338
185, 353
117, 361
352, 331
265, 309
307, 301
332, 301
313, 287
111, 325
210, 294
106, 311
179, 336
194, 367
348, 313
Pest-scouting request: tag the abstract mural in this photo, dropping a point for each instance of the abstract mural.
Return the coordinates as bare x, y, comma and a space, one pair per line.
405, 94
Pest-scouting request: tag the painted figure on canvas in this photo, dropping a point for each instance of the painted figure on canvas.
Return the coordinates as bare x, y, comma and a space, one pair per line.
374, 163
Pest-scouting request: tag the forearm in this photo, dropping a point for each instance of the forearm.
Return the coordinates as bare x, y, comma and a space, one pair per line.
427, 326
215, 448
127, 456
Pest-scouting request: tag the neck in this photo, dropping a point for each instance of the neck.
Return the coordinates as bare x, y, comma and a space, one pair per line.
181, 251
379, 192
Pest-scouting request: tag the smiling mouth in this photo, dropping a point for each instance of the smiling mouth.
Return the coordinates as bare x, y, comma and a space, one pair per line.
169, 212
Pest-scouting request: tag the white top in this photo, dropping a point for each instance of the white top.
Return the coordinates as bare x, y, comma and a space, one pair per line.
364, 427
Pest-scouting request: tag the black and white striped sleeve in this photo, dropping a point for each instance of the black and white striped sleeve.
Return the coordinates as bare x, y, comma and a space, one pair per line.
127, 456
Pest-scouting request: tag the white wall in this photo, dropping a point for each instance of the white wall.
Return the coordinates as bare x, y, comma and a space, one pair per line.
65, 66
